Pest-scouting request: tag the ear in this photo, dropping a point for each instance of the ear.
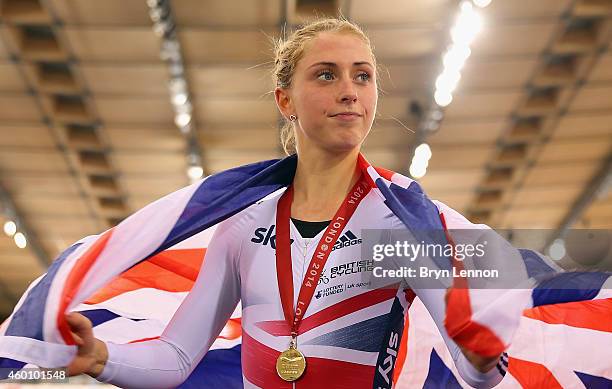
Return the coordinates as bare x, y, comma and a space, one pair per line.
283, 101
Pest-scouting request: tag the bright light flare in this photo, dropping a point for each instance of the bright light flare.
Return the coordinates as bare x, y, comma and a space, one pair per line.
455, 57
482, 3
557, 249
418, 171
443, 98
20, 240
182, 119
467, 26
10, 228
423, 151
448, 80
195, 172
179, 99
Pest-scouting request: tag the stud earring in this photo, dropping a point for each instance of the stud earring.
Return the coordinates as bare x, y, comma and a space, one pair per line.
292, 118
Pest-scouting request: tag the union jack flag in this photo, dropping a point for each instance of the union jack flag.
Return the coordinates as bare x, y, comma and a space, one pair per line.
130, 280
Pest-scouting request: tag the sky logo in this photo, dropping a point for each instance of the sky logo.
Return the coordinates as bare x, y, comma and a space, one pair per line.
264, 236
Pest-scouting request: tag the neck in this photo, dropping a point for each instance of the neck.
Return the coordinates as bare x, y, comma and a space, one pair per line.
321, 182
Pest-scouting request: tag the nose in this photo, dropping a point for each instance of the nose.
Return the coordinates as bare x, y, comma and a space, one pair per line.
348, 92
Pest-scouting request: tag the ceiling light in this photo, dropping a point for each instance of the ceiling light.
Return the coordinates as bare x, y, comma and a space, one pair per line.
448, 80
20, 240
417, 171
10, 228
177, 85
182, 119
423, 151
557, 249
465, 6
455, 57
179, 98
443, 98
195, 172
419, 162
467, 27
482, 3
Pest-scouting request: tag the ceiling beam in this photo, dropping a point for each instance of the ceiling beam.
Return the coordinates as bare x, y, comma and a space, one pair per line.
600, 181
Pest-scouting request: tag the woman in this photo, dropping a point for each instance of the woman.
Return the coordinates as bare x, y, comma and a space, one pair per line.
296, 329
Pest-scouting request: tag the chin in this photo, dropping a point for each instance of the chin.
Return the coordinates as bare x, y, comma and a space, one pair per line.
344, 145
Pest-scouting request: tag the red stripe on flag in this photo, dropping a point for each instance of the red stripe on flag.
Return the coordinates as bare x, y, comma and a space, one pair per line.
184, 262
591, 314
532, 375
333, 312
171, 271
384, 173
402, 352
458, 320
259, 364
363, 164
73, 282
259, 368
232, 329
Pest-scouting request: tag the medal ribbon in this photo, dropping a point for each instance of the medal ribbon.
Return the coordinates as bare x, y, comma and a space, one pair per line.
284, 273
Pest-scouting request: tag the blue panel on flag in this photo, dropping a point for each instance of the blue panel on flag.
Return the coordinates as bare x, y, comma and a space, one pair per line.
594, 382
389, 347
439, 376
6, 364
227, 193
220, 368
99, 316
363, 336
28, 320
568, 287
536, 266
419, 214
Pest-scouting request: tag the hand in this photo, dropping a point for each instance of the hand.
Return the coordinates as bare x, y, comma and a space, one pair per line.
92, 353
482, 364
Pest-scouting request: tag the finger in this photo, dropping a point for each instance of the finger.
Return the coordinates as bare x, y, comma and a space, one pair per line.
78, 322
77, 338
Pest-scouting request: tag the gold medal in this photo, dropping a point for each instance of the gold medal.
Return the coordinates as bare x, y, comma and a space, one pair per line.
291, 363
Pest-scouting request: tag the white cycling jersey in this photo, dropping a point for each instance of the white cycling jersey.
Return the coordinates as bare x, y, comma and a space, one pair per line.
350, 333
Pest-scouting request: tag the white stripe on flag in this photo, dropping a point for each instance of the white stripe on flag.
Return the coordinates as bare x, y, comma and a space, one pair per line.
122, 330
606, 290
50, 331
36, 351
146, 303
560, 346
134, 239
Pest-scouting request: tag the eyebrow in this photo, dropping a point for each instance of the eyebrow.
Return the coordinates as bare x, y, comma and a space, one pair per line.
332, 64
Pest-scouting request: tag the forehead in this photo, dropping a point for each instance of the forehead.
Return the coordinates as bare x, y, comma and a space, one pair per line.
336, 47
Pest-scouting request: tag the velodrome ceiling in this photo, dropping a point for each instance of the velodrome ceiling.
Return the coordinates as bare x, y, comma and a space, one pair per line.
88, 133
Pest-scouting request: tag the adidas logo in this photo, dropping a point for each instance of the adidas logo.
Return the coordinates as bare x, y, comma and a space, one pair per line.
345, 240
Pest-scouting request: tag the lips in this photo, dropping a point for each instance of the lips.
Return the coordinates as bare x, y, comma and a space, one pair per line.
346, 115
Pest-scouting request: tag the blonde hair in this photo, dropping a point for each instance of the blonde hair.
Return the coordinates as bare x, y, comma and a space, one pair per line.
289, 51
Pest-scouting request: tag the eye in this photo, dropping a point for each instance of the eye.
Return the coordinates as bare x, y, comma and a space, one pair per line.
325, 75
364, 77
